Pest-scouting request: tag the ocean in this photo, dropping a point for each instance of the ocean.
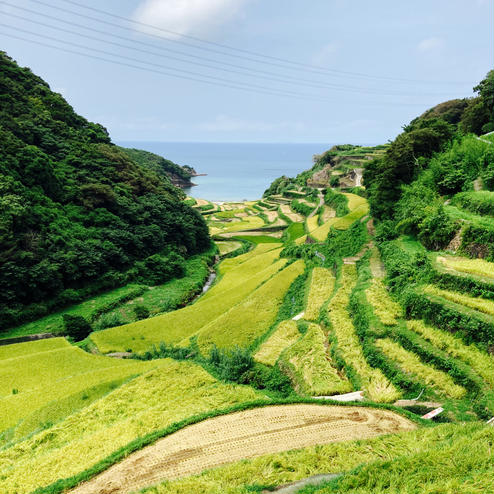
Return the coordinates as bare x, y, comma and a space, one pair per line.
235, 171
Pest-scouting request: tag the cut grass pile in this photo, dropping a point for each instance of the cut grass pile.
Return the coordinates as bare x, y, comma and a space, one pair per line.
228, 246
29, 347
386, 309
310, 368
183, 323
151, 402
411, 364
470, 443
477, 267
285, 335
374, 382
250, 319
321, 288
475, 303
479, 361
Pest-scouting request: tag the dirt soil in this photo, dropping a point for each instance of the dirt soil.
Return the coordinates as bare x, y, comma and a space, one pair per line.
240, 435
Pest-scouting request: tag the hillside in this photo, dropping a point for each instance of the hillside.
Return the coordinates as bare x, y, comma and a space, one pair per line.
178, 175
309, 344
78, 215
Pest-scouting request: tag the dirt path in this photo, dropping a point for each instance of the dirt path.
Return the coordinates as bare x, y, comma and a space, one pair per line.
321, 202
240, 435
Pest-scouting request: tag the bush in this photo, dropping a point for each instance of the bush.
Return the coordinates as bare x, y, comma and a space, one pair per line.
76, 327
110, 320
337, 201
141, 312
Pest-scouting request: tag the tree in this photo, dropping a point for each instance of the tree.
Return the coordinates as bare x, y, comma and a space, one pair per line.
76, 327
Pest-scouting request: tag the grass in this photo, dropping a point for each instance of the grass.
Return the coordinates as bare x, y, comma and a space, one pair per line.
272, 470
347, 221
479, 361
411, 364
374, 382
310, 368
354, 201
153, 401
294, 231
250, 319
469, 469
321, 288
476, 303
29, 347
285, 335
53, 376
163, 298
477, 267
53, 323
226, 246
461, 215
183, 323
386, 310
237, 274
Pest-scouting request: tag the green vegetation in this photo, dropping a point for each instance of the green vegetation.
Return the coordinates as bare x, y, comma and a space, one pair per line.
78, 215
285, 335
310, 367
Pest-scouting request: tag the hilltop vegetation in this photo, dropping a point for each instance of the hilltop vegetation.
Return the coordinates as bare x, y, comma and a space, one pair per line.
78, 214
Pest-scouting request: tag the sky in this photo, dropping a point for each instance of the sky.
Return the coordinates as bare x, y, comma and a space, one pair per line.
252, 70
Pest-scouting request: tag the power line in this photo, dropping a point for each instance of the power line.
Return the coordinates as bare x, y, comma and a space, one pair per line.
230, 86
269, 60
246, 71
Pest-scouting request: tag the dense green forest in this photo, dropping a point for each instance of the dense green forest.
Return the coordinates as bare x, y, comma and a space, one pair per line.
178, 175
77, 213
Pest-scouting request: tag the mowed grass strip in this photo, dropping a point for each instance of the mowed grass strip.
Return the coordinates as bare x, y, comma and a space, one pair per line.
152, 401
477, 267
251, 318
411, 364
20, 349
321, 288
237, 275
310, 368
470, 443
387, 310
173, 327
375, 384
475, 303
480, 362
285, 335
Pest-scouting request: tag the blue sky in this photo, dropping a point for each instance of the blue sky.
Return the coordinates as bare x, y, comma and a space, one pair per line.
381, 64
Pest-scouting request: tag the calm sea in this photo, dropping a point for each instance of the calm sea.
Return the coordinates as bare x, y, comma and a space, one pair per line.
235, 171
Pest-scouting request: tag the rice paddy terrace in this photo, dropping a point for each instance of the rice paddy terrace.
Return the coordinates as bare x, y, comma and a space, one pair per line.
238, 389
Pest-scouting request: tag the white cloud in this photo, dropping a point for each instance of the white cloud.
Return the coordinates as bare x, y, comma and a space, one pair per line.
198, 17
431, 45
226, 123
325, 54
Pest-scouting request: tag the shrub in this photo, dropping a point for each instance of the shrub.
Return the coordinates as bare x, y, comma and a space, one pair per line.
76, 327
141, 312
110, 320
337, 201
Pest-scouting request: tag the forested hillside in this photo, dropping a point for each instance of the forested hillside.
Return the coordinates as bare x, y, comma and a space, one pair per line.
77, 214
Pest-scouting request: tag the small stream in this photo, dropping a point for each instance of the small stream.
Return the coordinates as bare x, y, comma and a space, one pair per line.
209, 282
358, 177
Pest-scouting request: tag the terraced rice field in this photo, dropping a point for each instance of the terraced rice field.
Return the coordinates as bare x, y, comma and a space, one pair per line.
288, 212
386, 309
151, 402
285, 335
309, 366
411, 364
226, 247
374, 382
243, 435
321, 288
477, 267
476, 303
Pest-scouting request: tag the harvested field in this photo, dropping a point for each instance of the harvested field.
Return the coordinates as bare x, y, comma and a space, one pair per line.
236, 436
271, 215
327, 213
287, 211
